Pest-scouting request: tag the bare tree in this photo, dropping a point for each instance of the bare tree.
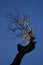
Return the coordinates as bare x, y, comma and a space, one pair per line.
27, 35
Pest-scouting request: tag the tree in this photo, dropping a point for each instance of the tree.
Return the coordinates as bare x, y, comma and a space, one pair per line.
27, 35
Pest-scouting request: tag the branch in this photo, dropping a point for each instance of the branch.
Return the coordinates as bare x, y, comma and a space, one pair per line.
22, 50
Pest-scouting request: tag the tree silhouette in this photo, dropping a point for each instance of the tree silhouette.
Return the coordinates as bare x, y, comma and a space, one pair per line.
22, 50
27, 34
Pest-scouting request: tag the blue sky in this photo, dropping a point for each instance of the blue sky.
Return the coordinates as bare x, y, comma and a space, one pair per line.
8, 46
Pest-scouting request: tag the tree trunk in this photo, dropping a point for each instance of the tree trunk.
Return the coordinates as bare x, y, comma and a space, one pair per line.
22, 50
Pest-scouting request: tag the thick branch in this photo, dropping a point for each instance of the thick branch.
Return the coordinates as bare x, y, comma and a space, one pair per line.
22, 50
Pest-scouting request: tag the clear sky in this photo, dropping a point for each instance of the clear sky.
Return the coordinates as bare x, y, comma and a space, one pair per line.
8, 46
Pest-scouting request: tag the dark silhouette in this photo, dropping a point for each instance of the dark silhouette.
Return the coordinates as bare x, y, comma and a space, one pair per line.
27, 34
22, 50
